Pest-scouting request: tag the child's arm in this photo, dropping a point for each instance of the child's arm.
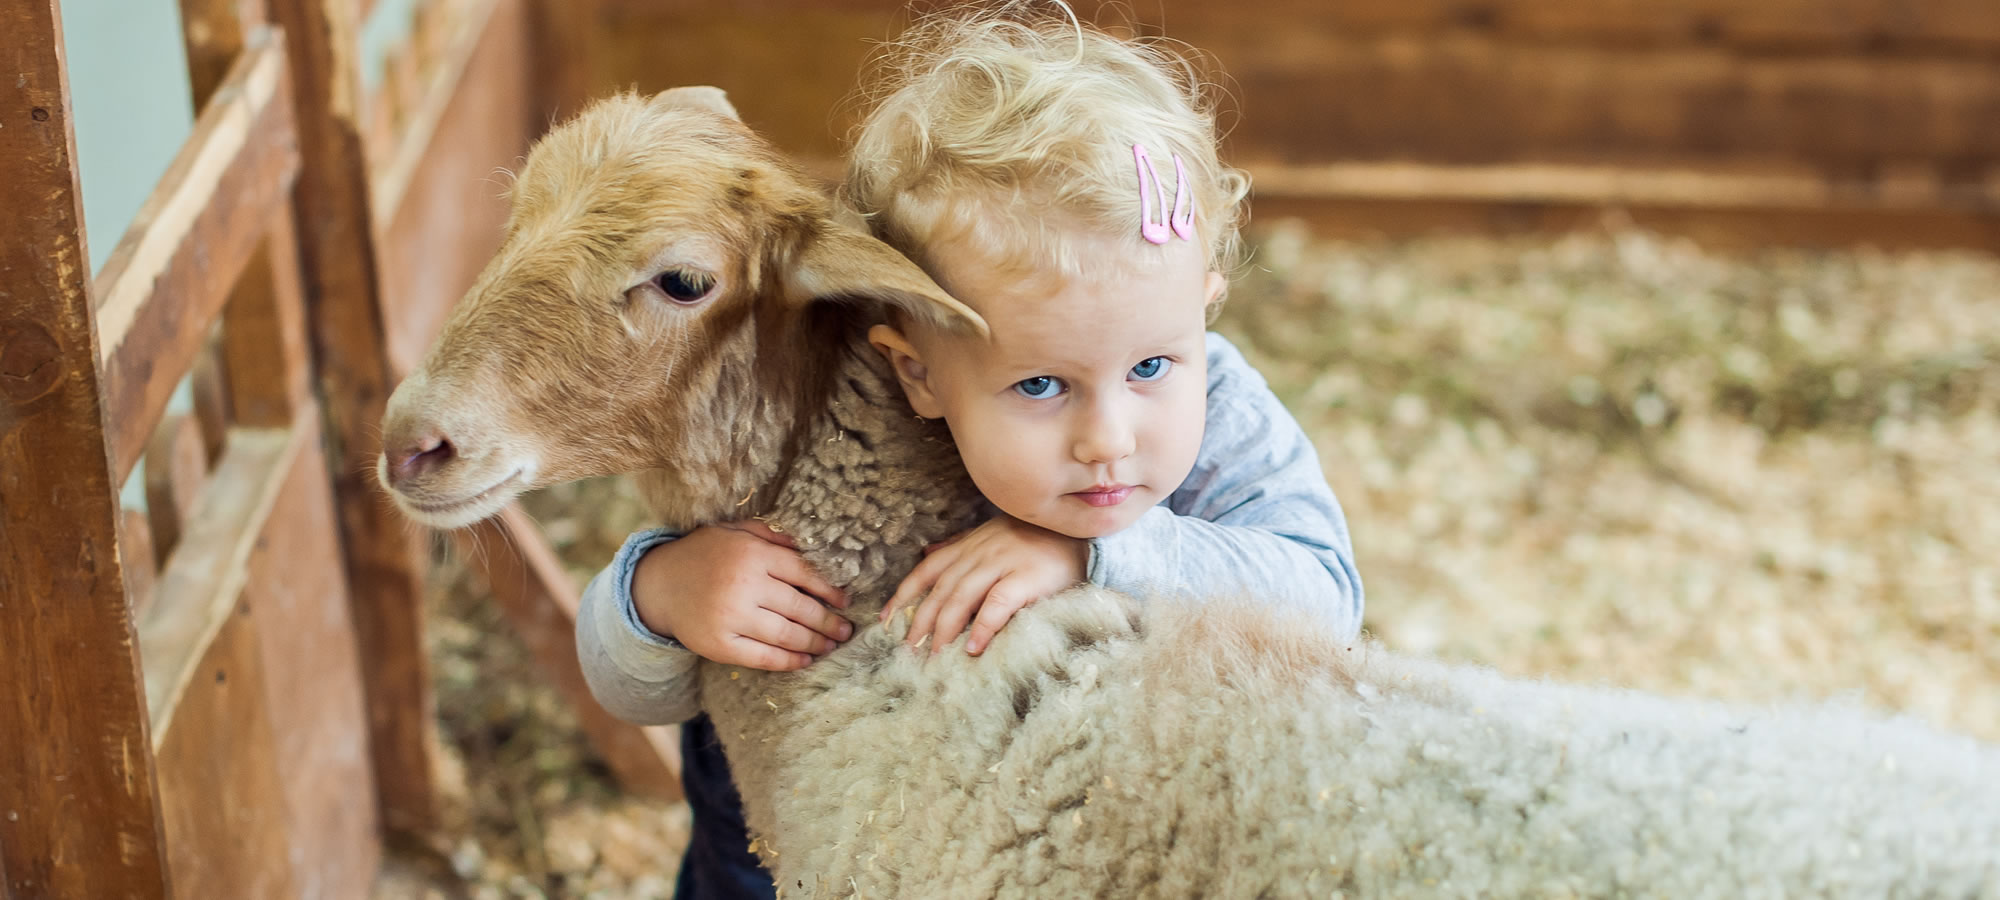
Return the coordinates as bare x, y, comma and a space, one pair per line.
735, 593
634, 673
1255, 518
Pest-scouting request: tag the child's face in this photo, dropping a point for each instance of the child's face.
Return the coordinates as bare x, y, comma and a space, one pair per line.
1085, 406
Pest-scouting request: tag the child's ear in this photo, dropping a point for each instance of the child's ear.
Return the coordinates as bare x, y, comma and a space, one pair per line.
909, 367
1214, 288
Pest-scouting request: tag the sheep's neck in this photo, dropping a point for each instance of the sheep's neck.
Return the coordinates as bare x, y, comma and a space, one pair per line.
870, 483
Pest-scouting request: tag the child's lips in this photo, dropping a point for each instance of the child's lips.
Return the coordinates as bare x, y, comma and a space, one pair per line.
1105, 495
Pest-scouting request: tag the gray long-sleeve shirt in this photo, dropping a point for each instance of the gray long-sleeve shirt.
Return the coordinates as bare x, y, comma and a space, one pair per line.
1254, 518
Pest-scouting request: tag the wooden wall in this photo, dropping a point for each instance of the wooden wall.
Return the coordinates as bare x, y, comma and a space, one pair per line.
1792, 120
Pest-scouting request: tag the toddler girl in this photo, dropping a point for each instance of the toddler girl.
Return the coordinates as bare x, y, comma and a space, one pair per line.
1065, 185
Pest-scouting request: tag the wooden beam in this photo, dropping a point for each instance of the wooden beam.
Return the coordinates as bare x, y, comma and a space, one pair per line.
262, 331
414, 141
264, 343
1309, 95
138, 559
1876, 27
210, 386
1722, 228
298, 597
540, 602
197, 590
167, 280
385, 560
1906, 189
214, 34
1312, 85
449, 214
79, 803
176, 472
220, 786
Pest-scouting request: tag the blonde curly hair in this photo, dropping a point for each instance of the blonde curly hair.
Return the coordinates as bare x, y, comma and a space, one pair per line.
1009, 130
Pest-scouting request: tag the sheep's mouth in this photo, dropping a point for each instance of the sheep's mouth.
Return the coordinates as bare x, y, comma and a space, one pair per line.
465, 510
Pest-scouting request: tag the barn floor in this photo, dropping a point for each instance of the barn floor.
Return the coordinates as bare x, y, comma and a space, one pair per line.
1604, 457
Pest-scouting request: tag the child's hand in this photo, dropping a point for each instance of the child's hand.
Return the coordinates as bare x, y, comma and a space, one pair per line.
994, 569
738, 593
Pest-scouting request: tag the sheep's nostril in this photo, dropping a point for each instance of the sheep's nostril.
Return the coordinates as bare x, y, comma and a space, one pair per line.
429, 452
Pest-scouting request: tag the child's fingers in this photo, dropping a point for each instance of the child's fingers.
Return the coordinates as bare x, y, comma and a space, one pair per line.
808, 613
921, 579
755, 654
785, 634
792, 569
926, 616
959, 607
1002, 602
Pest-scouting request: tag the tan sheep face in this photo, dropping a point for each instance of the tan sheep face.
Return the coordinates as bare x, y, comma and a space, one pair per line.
625, 292
647, 311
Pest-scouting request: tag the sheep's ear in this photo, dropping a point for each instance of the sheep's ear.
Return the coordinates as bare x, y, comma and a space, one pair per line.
841, 262
712, 99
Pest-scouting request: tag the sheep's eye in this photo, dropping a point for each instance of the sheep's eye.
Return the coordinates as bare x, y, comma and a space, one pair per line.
684, 286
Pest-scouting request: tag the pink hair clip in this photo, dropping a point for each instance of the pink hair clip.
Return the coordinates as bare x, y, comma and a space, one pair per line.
1178, 219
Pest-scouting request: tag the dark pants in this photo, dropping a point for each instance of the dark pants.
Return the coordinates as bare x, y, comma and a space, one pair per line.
718, 863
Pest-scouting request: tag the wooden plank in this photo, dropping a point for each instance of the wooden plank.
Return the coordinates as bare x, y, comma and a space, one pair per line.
1313, 95
264, 332
1847, 26
213, 32
168, 278
210, 387
792, 83
414, 142
79, 808
449, 215
565, 34
540, 602
1722, 228
176, 471
1908, 188
220, 788
198, 589
384, 560
138, 558
1313, 89
298, 597
1871, 26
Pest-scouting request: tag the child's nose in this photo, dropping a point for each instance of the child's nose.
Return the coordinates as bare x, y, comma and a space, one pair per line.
1104, 439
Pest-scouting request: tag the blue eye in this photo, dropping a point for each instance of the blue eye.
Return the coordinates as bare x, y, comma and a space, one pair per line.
1152, 368
1040, 387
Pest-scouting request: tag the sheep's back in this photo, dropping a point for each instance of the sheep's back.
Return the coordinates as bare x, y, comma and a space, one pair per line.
1113, 747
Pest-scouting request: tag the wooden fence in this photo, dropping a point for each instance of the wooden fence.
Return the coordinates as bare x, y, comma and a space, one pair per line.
227, 696
1777, 121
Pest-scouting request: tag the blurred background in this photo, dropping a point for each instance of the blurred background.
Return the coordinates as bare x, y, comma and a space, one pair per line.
1653, 342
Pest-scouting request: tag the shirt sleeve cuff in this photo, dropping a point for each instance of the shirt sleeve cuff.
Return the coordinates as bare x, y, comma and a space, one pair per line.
623, 567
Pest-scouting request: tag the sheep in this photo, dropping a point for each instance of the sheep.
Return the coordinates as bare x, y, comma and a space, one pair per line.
1103, 745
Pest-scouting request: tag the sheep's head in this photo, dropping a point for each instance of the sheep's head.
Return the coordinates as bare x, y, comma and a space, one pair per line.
648, 309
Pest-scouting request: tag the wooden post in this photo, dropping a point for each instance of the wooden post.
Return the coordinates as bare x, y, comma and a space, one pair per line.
79, 801
385, 558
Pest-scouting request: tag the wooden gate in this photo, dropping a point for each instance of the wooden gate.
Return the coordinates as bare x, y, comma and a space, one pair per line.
227, 696
183, 707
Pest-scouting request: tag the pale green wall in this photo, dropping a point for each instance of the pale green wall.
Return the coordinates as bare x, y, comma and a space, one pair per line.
133, 109
388, 24
129, 93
